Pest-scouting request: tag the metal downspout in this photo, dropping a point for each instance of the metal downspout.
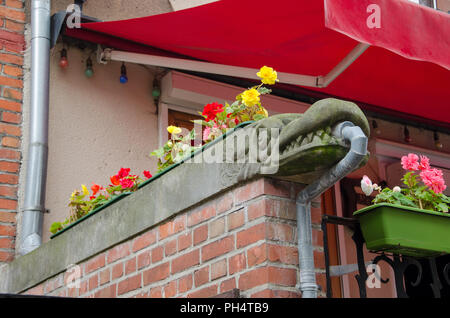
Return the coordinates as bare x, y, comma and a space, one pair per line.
31, 230
358, 150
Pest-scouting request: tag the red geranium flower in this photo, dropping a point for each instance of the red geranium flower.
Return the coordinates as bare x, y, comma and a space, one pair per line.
126, 183
115, 180
123, 172
211, 110
95, 188
147, 174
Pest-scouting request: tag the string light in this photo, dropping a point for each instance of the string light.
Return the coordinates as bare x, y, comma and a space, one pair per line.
375, 127
437, 143
123, 74
89, 72
156, 91
63, 62
408, 138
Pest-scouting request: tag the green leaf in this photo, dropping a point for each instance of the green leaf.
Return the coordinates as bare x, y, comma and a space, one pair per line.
258, 117
56, 227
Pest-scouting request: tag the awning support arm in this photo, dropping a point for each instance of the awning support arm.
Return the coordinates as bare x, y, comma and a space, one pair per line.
228, 70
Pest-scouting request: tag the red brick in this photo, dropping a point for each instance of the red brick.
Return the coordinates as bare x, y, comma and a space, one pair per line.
10, 130
256, 209
217, 248
205, 292
9, 178
219, 269
130, 266
117, 271
12, 70
9, 154
12, 167
283, 276
281, 209
170, 247
11, 58
14, 4
93, 282
107, 292
6, 256
316, 214
283, 254
11, 118
11, 142
253, 278
171, 227
129, 284
201, 276
8, 204
6, 243
155, 292
14, 26
105, 276
249, 191
280, 232
185, 261
224, 203
236, 219
12, 82
256, 255
185, 283
118, 252
184, 241
317, 237
251, 235
12, 93
157, 254
200, 234
143, 260
156, 273
95, 263
10, 105
15, 47
237, 263
170, 289
216, 227
7, 230
12, 14
8, 217
202, 215
227, 285
83, 287
144, 240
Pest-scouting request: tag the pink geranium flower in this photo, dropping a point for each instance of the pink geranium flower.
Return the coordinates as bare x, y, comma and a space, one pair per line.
433, 178
424, 163
147, 174
410, 162
126, 183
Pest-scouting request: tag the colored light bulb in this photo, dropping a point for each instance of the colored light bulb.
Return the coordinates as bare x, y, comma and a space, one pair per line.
89, 72
63, 62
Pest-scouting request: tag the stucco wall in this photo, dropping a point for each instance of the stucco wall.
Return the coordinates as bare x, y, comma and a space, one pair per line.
96, 126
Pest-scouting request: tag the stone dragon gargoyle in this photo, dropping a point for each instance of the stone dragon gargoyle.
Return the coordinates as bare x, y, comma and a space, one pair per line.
306, 145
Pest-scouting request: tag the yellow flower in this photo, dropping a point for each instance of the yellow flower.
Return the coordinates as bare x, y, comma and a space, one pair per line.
250, 97
174, 130
267, 75
74, 193
85, 190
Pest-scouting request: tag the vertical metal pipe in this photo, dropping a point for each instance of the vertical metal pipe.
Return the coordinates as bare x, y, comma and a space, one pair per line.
358, 149
31, 226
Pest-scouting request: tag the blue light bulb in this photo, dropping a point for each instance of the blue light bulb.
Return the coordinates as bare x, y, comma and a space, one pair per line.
123, 79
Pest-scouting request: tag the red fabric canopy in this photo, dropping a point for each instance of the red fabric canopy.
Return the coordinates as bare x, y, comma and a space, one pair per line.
406, 68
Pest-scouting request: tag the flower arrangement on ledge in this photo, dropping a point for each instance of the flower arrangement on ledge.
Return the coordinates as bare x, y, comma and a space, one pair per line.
82, 202
217, 120
424, 186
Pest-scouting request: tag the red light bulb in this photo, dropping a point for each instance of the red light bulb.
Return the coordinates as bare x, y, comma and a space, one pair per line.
63, 62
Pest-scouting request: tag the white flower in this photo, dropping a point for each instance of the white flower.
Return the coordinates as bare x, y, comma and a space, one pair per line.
366, 185
396, 189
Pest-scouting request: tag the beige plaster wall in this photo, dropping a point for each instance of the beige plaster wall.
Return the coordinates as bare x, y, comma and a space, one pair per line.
96, 126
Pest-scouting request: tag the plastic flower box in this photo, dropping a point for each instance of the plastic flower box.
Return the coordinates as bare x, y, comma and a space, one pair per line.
405, 230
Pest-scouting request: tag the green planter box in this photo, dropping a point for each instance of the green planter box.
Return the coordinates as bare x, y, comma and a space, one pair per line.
404, 230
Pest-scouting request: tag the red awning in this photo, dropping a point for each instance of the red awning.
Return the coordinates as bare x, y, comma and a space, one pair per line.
406, 67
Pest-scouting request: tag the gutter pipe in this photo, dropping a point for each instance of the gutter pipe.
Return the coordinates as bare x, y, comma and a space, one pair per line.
31, 230
358, 150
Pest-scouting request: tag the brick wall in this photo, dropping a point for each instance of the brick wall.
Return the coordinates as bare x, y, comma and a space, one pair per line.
245, 238
12, 45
